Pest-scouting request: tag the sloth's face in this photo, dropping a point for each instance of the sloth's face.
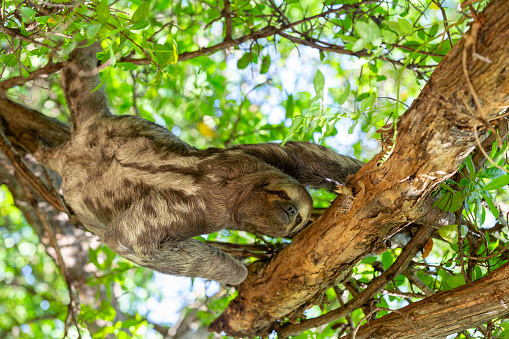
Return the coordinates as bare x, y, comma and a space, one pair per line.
277, 206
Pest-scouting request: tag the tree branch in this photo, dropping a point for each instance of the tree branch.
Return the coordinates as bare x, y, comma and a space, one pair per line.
18, 36
397, 268
445, 313
21, 80
228, 21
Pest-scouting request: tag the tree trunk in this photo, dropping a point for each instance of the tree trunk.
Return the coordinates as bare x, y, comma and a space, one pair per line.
434, 137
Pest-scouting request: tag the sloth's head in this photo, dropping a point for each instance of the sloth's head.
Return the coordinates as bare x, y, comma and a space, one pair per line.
275, 204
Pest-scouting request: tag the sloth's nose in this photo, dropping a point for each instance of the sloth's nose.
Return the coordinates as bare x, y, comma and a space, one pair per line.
290, 209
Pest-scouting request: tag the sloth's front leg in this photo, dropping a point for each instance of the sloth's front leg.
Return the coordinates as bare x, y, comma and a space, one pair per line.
151, 242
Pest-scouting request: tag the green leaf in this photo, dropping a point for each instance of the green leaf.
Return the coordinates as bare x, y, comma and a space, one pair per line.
265, 64
369, 33
347, 38
344, 96
10, 59
296, 124
127, 66
103, 12
470, 166
493, 173
103, 81
389, 36
368, 102
244, 60
319, 82
123, 335
450, 202
27, 14
402, 27
112, 58
449, 233
464, 182
42, 19
405, 26
491, 205
175, 53
387, 260
102, 332
107, 312
163, 54
433, 30
141, 13
289, 106
141, 25
497, 183
156, 81
477, 273
25, 71
455, 281
368, 260
92, 30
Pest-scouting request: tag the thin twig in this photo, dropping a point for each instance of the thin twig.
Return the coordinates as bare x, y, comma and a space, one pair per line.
60, 259
135, 95
15, 35
34, 182
409, 48
62, 5
446, 24
234, 129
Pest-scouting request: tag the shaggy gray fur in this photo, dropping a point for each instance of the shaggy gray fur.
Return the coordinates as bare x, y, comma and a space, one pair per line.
146, 193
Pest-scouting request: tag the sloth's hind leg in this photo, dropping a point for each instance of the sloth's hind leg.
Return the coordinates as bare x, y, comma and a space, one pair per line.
52, 158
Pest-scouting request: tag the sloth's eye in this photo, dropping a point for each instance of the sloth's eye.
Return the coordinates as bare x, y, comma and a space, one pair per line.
298, 220
283, 195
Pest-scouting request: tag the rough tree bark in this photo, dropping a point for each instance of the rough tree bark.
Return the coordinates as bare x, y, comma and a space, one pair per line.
446, 313
434, 137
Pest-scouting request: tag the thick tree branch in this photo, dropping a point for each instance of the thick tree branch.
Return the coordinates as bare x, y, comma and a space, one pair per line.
228, 20
20, 80
397, 268
446, 312
434, 137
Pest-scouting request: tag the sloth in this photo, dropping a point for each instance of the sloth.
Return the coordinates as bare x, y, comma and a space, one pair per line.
147, 194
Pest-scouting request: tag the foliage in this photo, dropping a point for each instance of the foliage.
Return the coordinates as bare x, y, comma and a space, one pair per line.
363, 64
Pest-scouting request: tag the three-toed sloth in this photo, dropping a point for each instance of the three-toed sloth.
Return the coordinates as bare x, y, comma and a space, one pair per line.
146, 193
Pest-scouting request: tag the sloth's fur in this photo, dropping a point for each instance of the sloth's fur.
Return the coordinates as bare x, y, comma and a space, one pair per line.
146, 193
